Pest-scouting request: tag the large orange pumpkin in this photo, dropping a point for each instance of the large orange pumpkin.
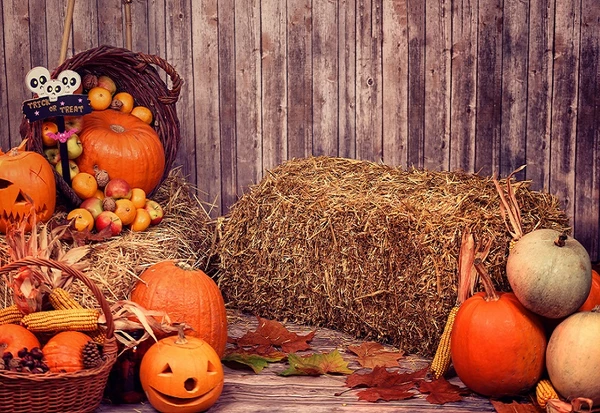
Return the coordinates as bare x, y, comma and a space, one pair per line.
26, 182
593, 298
186, 295
497, 345
64, 351
16, 337
124, 146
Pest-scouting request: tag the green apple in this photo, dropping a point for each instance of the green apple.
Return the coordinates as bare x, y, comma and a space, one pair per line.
73, 168
74, 146
53, 155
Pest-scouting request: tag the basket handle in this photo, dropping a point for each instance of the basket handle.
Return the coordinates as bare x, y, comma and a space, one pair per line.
43, 262
176, 80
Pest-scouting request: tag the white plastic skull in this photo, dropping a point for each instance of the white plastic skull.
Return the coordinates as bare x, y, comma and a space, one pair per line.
54, 89
36, 80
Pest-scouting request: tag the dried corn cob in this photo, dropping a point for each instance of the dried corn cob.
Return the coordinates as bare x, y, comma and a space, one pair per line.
441, 360
60, 299
544, 391
62, 320
10, 315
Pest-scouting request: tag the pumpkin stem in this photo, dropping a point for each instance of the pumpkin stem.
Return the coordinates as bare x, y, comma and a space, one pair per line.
184, 265
117, 128
490, 291
560, 241
180, 334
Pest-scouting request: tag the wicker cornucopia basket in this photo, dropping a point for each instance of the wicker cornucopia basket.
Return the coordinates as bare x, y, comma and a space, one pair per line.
79, 391
132, 72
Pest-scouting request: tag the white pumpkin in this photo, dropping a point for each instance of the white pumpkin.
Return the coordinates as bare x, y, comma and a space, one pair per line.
550, 273
573, 356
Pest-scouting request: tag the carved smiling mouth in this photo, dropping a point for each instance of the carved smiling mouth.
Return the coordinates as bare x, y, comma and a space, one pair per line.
183, 402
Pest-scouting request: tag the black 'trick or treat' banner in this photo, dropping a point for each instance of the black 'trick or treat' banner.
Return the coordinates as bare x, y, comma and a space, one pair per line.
55, 99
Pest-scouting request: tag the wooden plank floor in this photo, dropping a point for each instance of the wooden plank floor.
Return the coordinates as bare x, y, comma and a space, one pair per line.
245, 391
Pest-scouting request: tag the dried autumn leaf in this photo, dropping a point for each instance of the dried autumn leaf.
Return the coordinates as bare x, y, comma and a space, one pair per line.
271, 332
373, 354
398, 392
316, 364
381, 377
513, 407
256, 362
441, 391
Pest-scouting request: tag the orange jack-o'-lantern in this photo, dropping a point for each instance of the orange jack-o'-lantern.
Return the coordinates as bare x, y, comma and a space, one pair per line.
181, 374
27, 185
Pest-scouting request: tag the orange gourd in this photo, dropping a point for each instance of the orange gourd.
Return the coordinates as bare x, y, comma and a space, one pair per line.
593, 298
181, 374
124, 146
26, 184
16, 337
64, 351
188, 296
497, 345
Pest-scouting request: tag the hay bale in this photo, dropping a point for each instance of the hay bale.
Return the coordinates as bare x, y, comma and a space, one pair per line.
115, 264
364, 248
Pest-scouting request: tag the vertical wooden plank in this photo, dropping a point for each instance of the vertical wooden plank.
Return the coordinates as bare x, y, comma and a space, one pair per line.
4, 97
38, 38
55, 14
325, 78
416, 82
369, 81
274, 90
586, 220
564, 103
157, 26
17, 59
179, 54
87, 17
248, 93
299, 81
206, 98
140, 38
463, 85
489, 87
227, 96
436, 149
111, 18
514, 86
395, 79
347, 78
539, 92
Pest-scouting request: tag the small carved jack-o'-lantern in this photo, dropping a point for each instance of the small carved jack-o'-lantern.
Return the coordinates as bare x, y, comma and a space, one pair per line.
26, 184
181, 374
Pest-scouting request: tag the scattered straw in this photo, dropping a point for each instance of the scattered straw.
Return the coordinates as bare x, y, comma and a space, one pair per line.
116, 264
364, 248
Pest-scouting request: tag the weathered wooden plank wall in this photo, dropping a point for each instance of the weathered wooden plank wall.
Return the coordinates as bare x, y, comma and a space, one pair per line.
484, 86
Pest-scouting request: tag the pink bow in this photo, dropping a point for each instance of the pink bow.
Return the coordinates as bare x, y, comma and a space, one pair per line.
62, 136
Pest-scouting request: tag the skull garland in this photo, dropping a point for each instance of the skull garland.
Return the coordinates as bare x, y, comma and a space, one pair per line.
39, 82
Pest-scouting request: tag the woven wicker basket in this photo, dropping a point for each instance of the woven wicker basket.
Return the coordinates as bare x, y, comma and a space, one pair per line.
79, 391
132, 72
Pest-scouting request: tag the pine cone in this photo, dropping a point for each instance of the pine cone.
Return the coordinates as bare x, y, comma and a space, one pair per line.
91, 355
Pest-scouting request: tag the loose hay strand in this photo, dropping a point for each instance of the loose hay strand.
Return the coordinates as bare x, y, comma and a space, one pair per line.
362, 247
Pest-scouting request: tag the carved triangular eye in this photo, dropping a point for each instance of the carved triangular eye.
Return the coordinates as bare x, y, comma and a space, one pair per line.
166, 370
4, 183
21, 198
211, 368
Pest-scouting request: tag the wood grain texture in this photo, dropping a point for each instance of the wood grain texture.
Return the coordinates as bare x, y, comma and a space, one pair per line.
206, 99
274, 90
436, 147
483, 86
245, 391
463, 85
514, 86
539, 94
395, 75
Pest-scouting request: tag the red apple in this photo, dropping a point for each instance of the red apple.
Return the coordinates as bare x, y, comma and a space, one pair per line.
107, 83
109, 219
117, 189
155, 210
94, 205
74, 122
